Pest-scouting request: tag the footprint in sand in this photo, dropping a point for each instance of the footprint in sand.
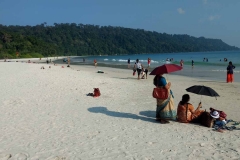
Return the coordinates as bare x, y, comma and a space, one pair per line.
20, 156
56, 158
14, 102
5, 156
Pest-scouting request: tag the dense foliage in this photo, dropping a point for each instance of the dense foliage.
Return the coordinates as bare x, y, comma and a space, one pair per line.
73, 39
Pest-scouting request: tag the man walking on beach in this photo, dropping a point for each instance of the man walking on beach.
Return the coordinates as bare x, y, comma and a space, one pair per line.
139, 67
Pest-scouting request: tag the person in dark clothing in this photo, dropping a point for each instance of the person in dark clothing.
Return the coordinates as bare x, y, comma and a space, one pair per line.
128, 62
230, 72
192, 63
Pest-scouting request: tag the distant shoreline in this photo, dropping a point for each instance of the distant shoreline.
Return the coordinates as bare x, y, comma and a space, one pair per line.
200, 72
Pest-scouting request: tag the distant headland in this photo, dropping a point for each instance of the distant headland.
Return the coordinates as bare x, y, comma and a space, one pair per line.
79, 39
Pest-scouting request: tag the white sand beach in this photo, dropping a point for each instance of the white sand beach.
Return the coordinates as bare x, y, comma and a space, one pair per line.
46, 115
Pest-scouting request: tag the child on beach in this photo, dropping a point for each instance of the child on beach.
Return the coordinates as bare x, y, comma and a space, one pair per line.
144, 72
220, 118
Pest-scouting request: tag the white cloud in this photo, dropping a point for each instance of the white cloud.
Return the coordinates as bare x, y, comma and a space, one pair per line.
180, 11
205, 1
215, 17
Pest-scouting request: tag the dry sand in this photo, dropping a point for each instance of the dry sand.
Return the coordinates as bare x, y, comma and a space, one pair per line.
45, 114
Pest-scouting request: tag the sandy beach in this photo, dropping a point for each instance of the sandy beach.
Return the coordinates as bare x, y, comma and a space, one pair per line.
46, 115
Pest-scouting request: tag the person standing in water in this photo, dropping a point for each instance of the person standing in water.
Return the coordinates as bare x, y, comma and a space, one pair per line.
95, 63
181, 63
128, 62
149, 62
230, 72
68, 62
192, 63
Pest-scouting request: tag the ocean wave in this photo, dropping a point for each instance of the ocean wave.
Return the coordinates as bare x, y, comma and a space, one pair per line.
133, 61
105, 59
219, 70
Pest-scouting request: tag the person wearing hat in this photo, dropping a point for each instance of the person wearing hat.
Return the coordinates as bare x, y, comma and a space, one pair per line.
219, 120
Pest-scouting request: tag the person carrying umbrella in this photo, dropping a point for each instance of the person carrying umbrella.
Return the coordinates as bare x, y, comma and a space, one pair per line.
186, 112
165, 107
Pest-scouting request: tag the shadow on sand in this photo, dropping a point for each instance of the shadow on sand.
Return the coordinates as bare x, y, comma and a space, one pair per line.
105, 111
125, 77
212, 81
150, 114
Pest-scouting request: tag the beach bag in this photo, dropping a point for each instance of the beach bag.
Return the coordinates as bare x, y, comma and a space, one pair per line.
221, 113
134, 72
160, 93
206, 119
96, 92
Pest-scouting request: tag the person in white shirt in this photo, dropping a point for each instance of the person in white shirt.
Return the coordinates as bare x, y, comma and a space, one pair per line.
139, 67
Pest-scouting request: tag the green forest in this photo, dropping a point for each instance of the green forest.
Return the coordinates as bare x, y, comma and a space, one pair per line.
79, 40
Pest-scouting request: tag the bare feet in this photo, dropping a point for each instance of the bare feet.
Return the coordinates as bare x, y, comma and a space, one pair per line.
220, 130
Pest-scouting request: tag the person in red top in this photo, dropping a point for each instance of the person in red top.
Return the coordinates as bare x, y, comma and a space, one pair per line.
149, 61
95, 63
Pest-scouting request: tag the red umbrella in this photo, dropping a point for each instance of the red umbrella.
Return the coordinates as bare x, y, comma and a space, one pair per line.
166, 68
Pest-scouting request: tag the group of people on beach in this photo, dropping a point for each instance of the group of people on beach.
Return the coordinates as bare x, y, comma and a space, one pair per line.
138, 67
205, 59
129, 62
185, 113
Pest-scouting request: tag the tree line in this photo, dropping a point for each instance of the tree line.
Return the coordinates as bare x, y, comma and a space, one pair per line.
80, 40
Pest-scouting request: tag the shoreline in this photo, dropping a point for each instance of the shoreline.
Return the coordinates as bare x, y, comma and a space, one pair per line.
196, 72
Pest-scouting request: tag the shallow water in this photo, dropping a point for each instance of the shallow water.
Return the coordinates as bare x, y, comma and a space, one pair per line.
214, 69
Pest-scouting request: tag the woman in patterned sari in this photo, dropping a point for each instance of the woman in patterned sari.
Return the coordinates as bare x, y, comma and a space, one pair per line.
165, 107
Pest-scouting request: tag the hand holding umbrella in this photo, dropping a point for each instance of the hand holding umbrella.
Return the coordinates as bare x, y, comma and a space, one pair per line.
202, 90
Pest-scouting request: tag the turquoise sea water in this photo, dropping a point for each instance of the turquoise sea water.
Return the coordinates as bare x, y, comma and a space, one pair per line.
213, 69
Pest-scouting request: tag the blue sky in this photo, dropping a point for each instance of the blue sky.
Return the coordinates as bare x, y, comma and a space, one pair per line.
209, 18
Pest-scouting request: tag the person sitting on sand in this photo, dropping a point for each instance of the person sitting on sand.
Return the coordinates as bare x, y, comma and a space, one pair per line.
186, 112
